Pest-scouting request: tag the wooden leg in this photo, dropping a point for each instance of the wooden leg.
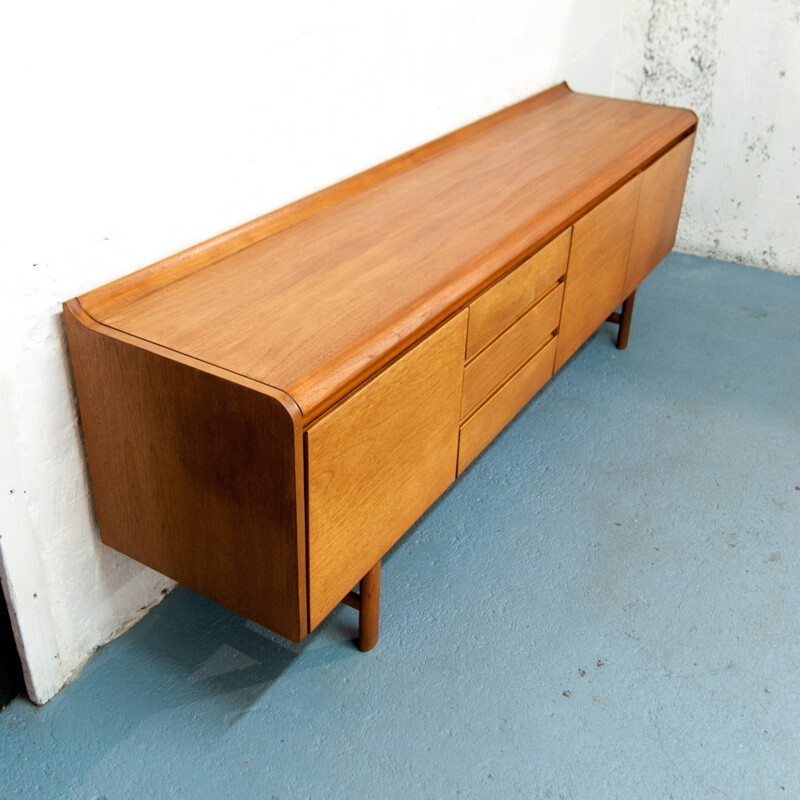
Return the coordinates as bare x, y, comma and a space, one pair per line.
367, 601
369, 609
624, 321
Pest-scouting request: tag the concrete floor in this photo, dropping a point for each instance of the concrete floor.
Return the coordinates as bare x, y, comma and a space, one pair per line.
606, 605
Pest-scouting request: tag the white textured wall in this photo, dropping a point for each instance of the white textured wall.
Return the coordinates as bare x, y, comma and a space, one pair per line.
133, 131
737, 64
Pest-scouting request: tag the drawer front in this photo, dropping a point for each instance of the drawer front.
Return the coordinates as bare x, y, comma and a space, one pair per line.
492, 312
497, 361
504, 404
377, 460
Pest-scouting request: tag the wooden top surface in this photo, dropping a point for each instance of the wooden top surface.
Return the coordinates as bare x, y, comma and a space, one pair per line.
315, 297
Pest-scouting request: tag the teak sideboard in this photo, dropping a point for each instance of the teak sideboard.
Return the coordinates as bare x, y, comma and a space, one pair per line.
266, 414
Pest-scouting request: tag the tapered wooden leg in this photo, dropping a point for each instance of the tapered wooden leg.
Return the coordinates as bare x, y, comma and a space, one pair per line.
367, 601
624, 321
369, 609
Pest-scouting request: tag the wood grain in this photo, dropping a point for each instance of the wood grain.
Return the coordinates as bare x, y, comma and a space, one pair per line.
598, 262
321, 296
504, 404
196, 473
658, 212
147, 280
378, 460
494, 364
492, 312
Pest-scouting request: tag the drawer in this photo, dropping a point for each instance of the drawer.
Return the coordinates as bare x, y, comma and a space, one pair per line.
493, 311
497, 361
504, 404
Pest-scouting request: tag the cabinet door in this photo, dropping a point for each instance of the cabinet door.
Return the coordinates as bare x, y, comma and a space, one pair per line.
660, 201
596, 273
377, 461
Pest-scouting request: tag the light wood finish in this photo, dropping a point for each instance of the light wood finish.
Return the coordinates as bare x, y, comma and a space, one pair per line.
341, 285
129, 289
378, 460
658, 212
504, 404
598, 261
369, 609
492, 312
266, 413
194, 472
495, 363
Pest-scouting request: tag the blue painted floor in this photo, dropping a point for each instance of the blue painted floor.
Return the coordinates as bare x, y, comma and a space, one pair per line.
606, 605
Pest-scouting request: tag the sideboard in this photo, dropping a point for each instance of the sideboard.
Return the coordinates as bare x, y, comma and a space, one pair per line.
266, 414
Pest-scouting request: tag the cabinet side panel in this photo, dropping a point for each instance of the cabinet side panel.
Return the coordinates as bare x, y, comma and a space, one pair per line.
598, 260
378, 460
193, 475
659, 210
